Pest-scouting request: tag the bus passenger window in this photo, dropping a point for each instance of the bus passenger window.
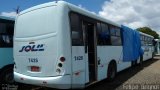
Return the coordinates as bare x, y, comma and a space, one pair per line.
103, 34
76, 32
151, 42
115, 36
6, 34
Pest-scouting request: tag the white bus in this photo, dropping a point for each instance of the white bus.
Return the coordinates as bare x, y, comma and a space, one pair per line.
157, 46
60, 45
147, 46
6, 49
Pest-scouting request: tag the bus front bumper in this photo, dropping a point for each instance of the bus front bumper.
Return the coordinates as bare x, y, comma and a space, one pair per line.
60, 82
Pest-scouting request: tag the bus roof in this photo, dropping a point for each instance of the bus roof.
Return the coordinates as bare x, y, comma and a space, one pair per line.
7, 18
76, 9
90, 14
146, 34
72, 8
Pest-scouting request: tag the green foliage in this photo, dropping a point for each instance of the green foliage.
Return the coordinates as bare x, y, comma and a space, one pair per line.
149, 31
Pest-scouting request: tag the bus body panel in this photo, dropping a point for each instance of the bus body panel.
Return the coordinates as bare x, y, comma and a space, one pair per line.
36, 23
47, 28
106, 54
148, 52
42, 59
79, 69
61, 82
7, 59
34, 48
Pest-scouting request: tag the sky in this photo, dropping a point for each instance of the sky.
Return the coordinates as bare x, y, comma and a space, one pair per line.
10, 5
131, 13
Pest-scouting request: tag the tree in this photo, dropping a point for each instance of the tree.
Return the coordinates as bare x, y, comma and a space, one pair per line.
149, 31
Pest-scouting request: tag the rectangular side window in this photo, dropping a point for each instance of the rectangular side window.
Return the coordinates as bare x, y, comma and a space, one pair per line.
143, 40
116, 39
76, 32
6, 33
103, 34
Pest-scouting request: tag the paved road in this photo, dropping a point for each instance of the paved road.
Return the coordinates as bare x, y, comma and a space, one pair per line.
129, 79
145, 77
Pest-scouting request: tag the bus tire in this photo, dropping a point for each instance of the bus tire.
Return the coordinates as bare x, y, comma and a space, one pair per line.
6, 75
112, 71
134, 63
152, 55
141, 60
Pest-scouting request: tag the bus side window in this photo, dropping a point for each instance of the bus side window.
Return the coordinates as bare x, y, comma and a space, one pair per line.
76, 32
2, 36
142, 40
9, 34
103, 34
6, 34
115, 36
145, 40
99, 29
141, 37
151, 41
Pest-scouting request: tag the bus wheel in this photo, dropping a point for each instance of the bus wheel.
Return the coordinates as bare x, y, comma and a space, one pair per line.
141, 60
134, 63
112, 71
152, 55
7, 75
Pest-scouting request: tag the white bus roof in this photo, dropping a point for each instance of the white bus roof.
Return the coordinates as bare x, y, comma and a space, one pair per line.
156, 40
146, 34
72, 8
7, 18
76, 9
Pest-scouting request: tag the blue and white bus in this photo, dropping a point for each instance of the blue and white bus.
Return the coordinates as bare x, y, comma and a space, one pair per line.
6, 49
60, 45
157, 46
147, 46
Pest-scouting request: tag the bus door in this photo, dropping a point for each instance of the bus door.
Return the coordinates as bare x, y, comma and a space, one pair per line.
83, 51
78, 52
90, 50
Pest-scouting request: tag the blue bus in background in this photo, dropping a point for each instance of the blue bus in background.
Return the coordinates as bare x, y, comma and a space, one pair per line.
6, 49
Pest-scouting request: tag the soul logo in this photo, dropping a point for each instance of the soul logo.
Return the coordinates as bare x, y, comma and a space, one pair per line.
28, 48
